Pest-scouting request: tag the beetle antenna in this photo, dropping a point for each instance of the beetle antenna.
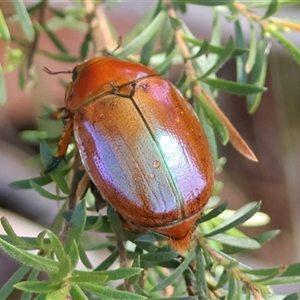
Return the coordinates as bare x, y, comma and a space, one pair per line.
47, 70
119, 44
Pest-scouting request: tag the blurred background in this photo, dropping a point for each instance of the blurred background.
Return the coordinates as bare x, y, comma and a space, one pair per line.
272, 132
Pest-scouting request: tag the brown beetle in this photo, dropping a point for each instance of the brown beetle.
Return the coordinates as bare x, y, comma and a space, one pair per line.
141, 144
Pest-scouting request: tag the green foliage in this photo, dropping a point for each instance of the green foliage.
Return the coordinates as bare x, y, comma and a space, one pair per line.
208, 270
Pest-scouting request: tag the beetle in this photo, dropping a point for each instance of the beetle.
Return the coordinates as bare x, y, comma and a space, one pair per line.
141, 144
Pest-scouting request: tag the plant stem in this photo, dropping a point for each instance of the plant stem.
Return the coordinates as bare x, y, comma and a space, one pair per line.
72, 197
235, 271
99, 30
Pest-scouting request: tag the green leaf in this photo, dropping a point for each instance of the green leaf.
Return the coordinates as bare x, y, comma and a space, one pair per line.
293, 280
45, 193
239, 217
91, 222
266, 236
10, 231
94, 223
76, 226
24, 19
3, 94
29, 259
252, 49
156, 257
210, 134
59, 220
167, 61
284, 271
84, 48
56, 175
117, 274
143, 37
113, 4
56, 245
294, 296
41, 240
107, 293
55, 40
28, 243
264, 272
166, 36
65, 268
176, 23
38, 286
208, 259
266, 279
89, 277
147, 51
214, 212
180, 5
234, 87
22, 76
4, 32
142, 24
77, 293
203, 49
33, 136
84, 258
32, 278
232, 261
232, 290
114, 220
64, 57
201, 283
33, 8
215, 122
171, 278
149, 238
74, 255
258, 75
285, 43
26, 183
272, 9
60, 294
240, 242
40, 297
241, 60
8, 287
237, 51
211, 2
225, 55
108, 262
216, 39
222, 280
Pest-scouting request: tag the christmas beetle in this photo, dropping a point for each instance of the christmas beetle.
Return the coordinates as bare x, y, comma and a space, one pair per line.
141, 144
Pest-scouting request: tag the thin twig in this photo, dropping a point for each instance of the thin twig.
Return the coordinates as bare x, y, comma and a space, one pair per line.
72, 197
243, 9
98, 27
235, 270
33, 46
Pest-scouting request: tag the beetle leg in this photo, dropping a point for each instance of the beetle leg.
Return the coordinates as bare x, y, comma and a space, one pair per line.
62, 146
100, 202
60, 114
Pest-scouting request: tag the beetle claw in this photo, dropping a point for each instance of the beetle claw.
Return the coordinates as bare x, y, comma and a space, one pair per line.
54, 164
